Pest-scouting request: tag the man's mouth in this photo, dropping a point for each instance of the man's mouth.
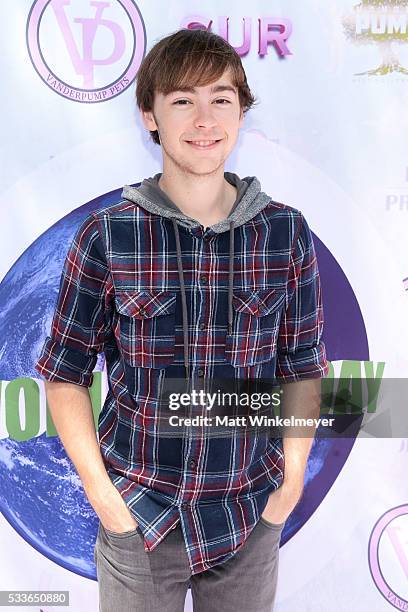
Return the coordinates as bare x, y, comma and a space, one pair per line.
203, 144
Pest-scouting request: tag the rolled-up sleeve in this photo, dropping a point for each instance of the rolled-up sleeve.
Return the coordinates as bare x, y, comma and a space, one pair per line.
81, 321
301, 353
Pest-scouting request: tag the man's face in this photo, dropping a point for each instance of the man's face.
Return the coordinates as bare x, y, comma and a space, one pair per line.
206, 114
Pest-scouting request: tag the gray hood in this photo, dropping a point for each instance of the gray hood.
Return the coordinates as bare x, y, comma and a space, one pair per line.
249, 202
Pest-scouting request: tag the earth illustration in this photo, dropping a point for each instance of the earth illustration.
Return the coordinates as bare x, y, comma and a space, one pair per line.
41, 494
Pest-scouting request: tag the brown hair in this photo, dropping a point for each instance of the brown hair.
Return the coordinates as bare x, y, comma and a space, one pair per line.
189, 58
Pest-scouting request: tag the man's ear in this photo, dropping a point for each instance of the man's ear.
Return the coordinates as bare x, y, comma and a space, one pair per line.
148, 120
241, 117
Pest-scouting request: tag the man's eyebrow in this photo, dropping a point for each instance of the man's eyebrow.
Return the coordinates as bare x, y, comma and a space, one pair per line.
214, 89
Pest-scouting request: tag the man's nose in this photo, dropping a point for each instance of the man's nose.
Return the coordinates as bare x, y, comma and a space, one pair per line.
204, 116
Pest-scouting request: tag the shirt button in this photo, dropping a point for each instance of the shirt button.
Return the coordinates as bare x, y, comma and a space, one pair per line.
204, 278
142, 311
184, 506
200, 372
192, 463
202, 326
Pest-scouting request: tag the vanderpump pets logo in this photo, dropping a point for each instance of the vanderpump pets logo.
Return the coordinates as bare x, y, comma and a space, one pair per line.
388, 556
86, 50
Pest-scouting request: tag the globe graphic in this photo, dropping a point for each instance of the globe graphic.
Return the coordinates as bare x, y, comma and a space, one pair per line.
41, 494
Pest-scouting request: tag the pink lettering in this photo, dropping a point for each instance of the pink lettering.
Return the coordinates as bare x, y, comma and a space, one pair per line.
274, 31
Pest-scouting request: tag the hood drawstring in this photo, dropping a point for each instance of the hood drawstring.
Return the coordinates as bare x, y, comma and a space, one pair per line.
183, 290
230, 277
183, 299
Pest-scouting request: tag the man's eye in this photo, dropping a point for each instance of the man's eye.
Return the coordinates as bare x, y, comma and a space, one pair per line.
218, 100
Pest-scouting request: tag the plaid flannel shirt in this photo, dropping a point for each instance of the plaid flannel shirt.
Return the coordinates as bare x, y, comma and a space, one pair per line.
120, 294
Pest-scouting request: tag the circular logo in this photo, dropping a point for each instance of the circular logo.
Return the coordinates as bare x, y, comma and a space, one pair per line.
86, 51
387, 556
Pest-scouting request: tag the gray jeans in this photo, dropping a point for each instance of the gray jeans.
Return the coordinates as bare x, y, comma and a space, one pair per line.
133, 580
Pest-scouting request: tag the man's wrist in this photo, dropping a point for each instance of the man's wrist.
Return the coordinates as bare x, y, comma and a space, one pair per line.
100, 492
293, 486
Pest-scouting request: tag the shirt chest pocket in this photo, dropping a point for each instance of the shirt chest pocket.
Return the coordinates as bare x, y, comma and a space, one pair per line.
255, 326
147, 327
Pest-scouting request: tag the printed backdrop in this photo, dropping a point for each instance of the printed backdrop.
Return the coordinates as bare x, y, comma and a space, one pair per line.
329, 136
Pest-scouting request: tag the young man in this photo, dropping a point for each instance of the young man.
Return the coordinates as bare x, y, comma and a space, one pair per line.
198, 275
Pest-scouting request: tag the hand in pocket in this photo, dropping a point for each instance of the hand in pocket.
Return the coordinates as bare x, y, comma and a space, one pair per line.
114, 514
